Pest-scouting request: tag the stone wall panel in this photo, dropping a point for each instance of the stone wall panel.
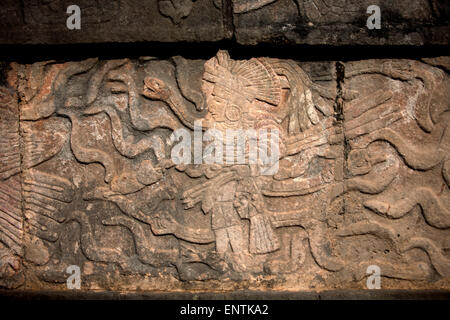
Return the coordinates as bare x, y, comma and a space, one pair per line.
87, 176
248, 22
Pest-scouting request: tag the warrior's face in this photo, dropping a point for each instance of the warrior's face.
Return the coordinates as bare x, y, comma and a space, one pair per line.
216, 108
224, 107
237, 92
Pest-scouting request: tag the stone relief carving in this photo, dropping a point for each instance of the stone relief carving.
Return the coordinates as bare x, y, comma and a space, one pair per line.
87, 177
175, 9
11, 220
399, 195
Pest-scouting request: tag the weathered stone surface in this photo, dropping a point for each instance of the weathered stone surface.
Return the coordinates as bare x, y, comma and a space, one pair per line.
362, 177
314, 22
397, 151
44, 22
340, 22
11, 217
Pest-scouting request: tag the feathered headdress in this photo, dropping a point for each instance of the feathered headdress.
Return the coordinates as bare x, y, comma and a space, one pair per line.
252, 79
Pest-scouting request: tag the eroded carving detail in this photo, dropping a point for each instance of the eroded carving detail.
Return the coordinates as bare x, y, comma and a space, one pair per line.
11, 219
396, 147
101, 190
175, 9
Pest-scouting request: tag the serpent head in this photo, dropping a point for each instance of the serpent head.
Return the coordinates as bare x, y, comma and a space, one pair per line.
155, 89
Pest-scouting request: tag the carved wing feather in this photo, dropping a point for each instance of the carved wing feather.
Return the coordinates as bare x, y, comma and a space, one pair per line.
11, 220
10, 194
45, 197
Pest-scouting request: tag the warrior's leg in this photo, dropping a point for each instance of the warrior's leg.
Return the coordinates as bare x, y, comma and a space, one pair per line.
236, 239
221, 240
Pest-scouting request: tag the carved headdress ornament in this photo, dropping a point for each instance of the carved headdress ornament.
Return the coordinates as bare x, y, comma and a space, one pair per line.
251, 79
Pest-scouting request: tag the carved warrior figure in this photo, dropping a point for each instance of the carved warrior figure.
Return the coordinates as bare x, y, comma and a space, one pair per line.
239, 95
236, 93
248, 94
281, 96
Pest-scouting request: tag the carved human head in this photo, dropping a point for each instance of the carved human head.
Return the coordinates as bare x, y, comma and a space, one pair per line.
235, 89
